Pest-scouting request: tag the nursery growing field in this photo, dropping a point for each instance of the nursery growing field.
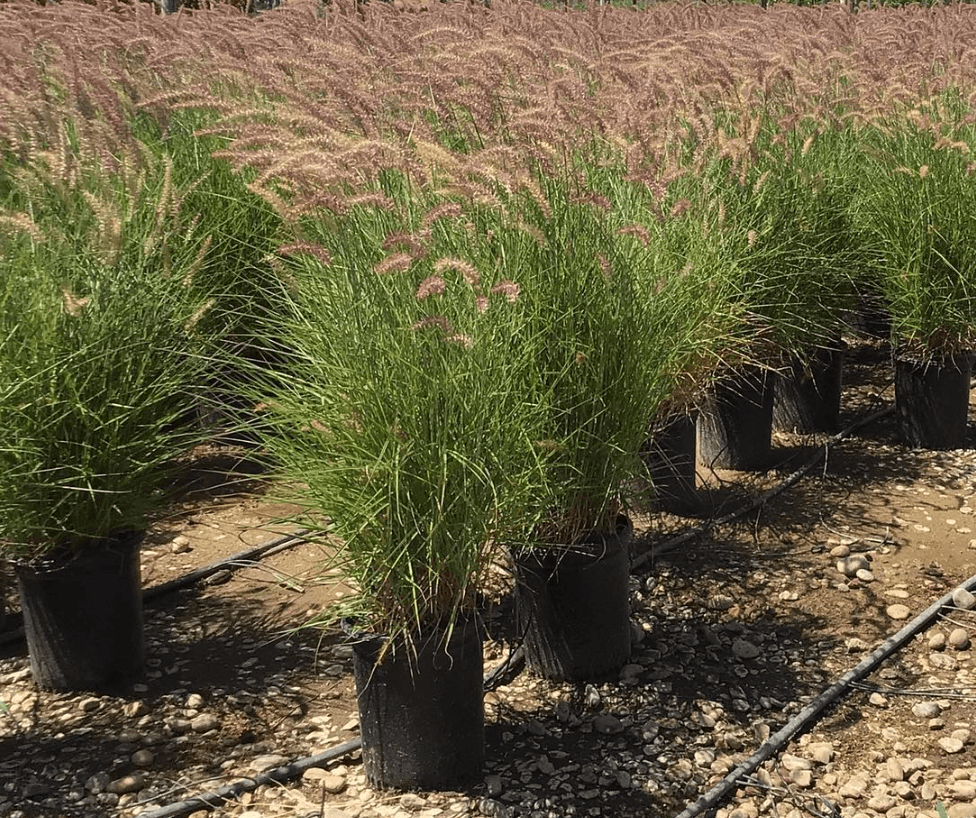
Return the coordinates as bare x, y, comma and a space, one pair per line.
738, 629
433, 275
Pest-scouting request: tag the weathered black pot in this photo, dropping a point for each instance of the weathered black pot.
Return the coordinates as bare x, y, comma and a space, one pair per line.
807, 394
83, 615
735, 423
422, 715
573, 606
932, 401
671, 463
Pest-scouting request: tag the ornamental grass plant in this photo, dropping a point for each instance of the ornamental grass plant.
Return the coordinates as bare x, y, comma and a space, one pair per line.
917, 209
406, 411
101, 357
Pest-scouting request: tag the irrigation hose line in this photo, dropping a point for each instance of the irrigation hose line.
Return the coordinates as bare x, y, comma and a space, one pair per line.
776, 742
763, 498
228, 564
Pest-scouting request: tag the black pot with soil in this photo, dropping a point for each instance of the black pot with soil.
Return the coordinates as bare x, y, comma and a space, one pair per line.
572, 606
736, 420
932, 400
670, 457
421, 708
82, 611
808, 391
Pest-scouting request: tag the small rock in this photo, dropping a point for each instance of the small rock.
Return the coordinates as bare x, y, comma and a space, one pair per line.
591, 697
959, 639
350, 725
964, 790
15, 676
878, 700
881, 803
744, 649
268, 762
127, 783
838, 552
899, 611
951, 745
413, 802
864, 575
895, 771
963, 734
493, 785
142, 758
855, 787
962, 811
607, 724
180, 545
849, 566
330, 782
821, 752
89, 704
195, 701
135, 709
961, 598
204, 723
251, 814
793, 763
937, 641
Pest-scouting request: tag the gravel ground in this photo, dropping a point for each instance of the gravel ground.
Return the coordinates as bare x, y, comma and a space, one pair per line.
733, 633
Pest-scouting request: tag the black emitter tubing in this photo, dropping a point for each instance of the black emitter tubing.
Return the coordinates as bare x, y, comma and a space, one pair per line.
215, 798
262, 550
763, 498
777, 741
227, 564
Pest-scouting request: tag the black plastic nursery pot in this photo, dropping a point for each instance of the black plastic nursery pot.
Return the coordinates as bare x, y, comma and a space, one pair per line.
932, 400
422, 713
807, 394
671, 463
735, 423
83, 615
573, 606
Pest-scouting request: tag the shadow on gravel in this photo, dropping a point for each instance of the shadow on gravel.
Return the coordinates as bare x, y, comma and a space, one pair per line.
251, 685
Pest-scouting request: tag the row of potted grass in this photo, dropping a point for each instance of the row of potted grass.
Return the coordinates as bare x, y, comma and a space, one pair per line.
458, 369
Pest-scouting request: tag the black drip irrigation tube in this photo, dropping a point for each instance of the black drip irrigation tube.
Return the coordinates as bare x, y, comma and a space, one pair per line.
830, 695
228, 564
762, 499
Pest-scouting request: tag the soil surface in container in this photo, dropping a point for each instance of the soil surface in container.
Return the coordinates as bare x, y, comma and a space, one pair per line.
734, 632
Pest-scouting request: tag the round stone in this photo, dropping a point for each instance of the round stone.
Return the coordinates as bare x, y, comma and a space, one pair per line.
959, 639
962, 598
899, 611
127, 783
268, 762
142, 758
951, 745
864, 575
937, 641
204, 723
926, 710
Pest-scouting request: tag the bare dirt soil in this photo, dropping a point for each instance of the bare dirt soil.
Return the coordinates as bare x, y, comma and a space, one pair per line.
735, 630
